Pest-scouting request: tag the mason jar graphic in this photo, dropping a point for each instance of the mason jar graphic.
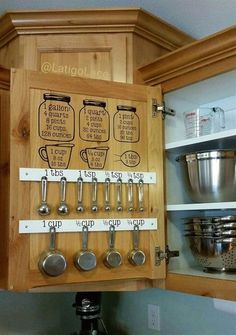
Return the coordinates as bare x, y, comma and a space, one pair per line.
126, 124
94, 121
56, 118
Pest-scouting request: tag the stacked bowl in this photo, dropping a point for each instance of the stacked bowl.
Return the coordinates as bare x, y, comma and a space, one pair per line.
212, 241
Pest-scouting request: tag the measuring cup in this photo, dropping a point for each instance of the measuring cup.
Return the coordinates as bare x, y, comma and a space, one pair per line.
52, 262
136, 256
112, 258
85, 259
204, 121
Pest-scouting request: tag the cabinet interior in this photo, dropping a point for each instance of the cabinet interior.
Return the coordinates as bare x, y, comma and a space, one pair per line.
219, 91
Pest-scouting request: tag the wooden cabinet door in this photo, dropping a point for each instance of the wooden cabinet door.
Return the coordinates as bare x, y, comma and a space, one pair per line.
50, 134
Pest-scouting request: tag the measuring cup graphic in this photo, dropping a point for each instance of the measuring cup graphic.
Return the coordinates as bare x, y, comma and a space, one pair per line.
95, 157
57, 155
204, 121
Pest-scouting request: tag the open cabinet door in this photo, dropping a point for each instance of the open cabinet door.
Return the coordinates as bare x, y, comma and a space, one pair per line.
66, 128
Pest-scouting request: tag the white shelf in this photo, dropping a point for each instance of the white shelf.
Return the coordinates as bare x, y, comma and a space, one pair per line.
201, 206
222, 137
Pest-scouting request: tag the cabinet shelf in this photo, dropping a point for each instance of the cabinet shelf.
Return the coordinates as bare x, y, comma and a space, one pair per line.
223, 139
201, 206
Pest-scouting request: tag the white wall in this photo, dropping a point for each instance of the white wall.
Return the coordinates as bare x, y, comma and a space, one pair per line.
180, 314
34, 313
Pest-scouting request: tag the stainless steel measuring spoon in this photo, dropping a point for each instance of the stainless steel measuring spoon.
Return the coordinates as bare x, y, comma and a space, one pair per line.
107, 206
140, 195
80, 207
119, 207
94, 206
85, 259
63, 209
136, 256
52, 262
130, 195
112, 258
44, 209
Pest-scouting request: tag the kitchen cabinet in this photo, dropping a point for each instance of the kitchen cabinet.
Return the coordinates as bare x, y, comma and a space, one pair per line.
105, 44
200, 74
94, 43
57, 129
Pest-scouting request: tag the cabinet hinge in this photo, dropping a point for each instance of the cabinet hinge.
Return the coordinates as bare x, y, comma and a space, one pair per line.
161, 255
157, 108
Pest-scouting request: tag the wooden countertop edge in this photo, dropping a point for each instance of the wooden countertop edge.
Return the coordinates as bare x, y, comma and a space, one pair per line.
196, 61
92, 20
208, 287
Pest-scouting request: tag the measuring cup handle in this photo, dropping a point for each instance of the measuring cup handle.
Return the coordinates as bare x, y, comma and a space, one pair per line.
221, 114
111, 237
84, 156
43, 154
52, 244
84, 238
136, 237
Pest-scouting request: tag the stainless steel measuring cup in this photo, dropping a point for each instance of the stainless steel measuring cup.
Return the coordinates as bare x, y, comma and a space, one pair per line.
136, 256
112, 258
52, 262
85, 259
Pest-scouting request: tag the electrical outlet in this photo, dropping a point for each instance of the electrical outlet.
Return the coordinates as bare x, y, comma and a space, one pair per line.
153, 317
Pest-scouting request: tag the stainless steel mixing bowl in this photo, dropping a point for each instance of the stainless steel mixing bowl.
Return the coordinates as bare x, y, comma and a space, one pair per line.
209, 176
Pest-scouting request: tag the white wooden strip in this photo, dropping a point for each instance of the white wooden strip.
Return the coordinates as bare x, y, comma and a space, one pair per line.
63, 226
34, 174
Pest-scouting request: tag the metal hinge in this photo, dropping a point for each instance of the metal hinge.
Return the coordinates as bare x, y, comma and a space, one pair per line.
161, 255
157, 108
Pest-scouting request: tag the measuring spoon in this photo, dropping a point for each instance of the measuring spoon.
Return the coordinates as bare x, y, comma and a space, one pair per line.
136, 256
140, 196
85, 259
119, 207
63, 209
94, 206
130, 195
112, 258
107, 206
52, 262
44, 209
80, 207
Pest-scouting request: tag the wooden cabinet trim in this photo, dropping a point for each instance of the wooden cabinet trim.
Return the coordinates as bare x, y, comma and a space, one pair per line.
199, 60
4, 78
108, 20
209, 287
